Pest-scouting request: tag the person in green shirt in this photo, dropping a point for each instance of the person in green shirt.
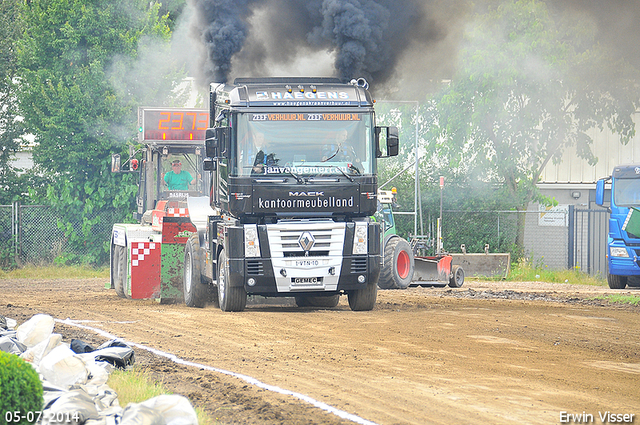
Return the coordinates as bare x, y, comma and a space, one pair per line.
177, 179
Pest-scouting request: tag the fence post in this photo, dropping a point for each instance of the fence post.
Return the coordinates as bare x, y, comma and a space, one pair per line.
15, 230
571, 238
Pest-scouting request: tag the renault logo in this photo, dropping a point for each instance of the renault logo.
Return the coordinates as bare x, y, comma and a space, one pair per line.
306, 241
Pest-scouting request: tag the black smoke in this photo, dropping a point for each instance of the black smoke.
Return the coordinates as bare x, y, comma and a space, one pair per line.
365, 36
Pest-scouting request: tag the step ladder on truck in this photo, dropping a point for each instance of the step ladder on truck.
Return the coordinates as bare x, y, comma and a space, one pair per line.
403, 263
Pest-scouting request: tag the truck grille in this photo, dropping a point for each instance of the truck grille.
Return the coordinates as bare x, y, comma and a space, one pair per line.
328, 236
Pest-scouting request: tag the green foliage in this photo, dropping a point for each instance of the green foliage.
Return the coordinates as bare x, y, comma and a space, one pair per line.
10, 127
20, 387
524, 270
620, 299
528, 86
85, 68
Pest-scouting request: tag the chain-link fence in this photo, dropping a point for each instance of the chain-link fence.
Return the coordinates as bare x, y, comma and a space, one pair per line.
29, 234
556, 238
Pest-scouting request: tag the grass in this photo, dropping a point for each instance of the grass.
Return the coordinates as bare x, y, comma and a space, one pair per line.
55, 272
135, 386
525, 271
620, 299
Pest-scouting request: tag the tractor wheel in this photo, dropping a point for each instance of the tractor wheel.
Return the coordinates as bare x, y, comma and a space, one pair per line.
230, 298
195, 291
363, 299
616, 282
317, 301
397, 271
456, 280
120, 270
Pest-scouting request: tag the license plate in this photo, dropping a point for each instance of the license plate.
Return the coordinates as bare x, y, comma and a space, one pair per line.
307, 263
306, 280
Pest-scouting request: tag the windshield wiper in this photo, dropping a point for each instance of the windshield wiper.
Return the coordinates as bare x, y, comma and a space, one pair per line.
343, 173
296, 176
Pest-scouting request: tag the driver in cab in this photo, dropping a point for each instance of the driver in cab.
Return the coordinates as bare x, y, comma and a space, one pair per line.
177, 179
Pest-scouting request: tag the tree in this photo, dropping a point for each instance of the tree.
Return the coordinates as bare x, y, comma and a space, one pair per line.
79, 96
528, 86
10, 125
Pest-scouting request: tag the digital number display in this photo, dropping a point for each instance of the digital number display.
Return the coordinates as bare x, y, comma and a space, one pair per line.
173, 124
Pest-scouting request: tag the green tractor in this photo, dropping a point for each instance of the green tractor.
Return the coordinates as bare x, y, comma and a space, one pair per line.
401, 264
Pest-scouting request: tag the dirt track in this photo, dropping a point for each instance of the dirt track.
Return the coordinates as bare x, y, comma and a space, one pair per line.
499, 353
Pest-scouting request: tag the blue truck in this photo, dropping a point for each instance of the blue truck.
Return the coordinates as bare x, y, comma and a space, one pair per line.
623, 253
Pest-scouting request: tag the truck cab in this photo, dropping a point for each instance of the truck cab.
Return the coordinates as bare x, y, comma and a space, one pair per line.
294, 184
624, 224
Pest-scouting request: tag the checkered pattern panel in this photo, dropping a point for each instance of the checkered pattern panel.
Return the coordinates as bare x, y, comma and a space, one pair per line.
178, 212
140, 250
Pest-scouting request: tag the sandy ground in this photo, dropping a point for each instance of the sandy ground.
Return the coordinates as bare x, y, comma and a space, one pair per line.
489, 352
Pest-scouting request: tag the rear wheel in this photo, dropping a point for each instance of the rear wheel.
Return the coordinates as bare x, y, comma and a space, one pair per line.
398, 268
457, 277
317, 301
195, 292
120, 270
363, 299
230, 298
616, 282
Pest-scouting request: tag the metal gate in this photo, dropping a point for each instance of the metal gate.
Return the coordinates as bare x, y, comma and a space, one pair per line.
588, 232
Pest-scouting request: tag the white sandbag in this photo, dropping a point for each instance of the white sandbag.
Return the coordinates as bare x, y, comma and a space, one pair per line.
35, 330
72, 407
137, 414
11, 345
176, 409
35, 354
63, 368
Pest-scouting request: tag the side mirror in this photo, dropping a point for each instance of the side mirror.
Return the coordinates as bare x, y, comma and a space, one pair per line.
600, 192
223, 135
115, 163
210, 143
393, 142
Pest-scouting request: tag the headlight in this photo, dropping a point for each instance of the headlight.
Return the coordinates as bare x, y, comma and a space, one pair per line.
619, 252
360, 239
251, 243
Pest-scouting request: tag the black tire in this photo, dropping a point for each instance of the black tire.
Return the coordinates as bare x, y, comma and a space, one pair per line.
120, 271
399, 265
195, 292
230, 298
456, 280
616, 282
363, 299
317, 301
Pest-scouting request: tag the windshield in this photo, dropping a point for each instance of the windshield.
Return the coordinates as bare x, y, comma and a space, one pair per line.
180, 172
304, 144
626, 192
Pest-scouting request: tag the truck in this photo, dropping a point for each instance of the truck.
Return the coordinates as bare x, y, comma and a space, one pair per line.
623, 250
293, 165
404, 263
146, 256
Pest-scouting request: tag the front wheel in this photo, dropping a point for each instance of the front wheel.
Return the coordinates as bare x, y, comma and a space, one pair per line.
363, 299
457, 277
616, 282
397, 270
195, 292
230, 298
